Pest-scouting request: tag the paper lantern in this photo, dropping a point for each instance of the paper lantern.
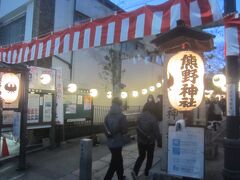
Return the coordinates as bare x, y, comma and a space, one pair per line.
158, 85
151, 88
219, 80
45, 79
135, 93
144, 91
9, 87
124, 95
93, 92
109, 94
72, 88
224, 88
185, 72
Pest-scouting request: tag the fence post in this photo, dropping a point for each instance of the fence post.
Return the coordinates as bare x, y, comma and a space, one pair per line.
85, 168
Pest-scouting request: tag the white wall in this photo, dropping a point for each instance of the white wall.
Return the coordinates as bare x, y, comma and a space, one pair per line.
29, 22
64, 11
7, 6
86, 69
56, 63
63, 14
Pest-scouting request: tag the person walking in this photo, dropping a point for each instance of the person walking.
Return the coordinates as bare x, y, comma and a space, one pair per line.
159, 108
147, 133
151, 102
115, 126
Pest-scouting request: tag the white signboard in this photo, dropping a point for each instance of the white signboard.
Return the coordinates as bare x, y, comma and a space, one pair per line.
231, 100
186, 152
33, 108
59, 97
47, 108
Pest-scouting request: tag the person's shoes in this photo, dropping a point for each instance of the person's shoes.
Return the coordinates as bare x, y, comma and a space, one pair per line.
134, 176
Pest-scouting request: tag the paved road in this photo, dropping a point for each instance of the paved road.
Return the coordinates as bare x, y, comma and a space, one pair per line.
62, 164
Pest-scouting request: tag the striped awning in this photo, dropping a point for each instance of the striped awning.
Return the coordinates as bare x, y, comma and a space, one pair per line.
145, 21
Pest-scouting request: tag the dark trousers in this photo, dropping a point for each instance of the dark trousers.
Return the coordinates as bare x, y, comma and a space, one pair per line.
144, 149
116, 164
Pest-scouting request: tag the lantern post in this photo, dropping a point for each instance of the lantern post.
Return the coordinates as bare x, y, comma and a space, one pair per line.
231, 169
185, 73
23, 125
11, 89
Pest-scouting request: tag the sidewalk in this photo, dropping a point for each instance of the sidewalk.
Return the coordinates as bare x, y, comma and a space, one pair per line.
130, 154
62, 163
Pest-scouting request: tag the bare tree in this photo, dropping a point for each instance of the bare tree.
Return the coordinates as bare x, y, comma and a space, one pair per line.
112, 70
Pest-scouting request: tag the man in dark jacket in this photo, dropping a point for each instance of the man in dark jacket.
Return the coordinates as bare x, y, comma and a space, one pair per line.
115, 126
147, 133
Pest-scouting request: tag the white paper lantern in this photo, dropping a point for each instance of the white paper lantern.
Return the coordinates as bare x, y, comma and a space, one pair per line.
45, 79
93, 92
224, 88
124, 95
72, 88
135, 93
158, 85
144, 91
185, 71
109, 94
151, 88
9, 87
219, 80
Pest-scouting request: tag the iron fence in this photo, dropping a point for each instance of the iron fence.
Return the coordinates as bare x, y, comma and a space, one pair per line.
74, 128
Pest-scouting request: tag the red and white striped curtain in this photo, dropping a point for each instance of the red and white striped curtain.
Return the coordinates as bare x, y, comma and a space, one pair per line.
145, 21
232, 35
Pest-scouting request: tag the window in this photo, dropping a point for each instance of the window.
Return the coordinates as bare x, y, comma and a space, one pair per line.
13, 32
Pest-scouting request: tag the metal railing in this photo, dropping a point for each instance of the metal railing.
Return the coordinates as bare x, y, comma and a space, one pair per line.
100, 113
78, 127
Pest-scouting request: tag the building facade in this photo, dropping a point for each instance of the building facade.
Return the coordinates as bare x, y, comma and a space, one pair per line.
23, 20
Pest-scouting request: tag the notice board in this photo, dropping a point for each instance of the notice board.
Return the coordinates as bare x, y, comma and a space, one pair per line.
186, 152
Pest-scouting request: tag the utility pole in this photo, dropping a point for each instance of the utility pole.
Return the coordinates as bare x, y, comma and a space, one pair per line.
231, 169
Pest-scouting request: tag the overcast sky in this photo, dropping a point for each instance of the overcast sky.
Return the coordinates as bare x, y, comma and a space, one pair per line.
129, 5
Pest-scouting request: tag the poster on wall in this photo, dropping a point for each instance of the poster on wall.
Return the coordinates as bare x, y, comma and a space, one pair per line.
33, 108
70, 99
59, 96
87, 103
71, 109
38, 74
8, 117
186, 152
47, 108
79, 99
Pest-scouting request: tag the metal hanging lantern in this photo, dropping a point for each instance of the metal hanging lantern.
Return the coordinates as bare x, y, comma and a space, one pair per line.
185, 72
9, 87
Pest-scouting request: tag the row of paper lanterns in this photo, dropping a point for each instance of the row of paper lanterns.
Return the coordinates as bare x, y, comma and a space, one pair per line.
72, 88
136, 93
